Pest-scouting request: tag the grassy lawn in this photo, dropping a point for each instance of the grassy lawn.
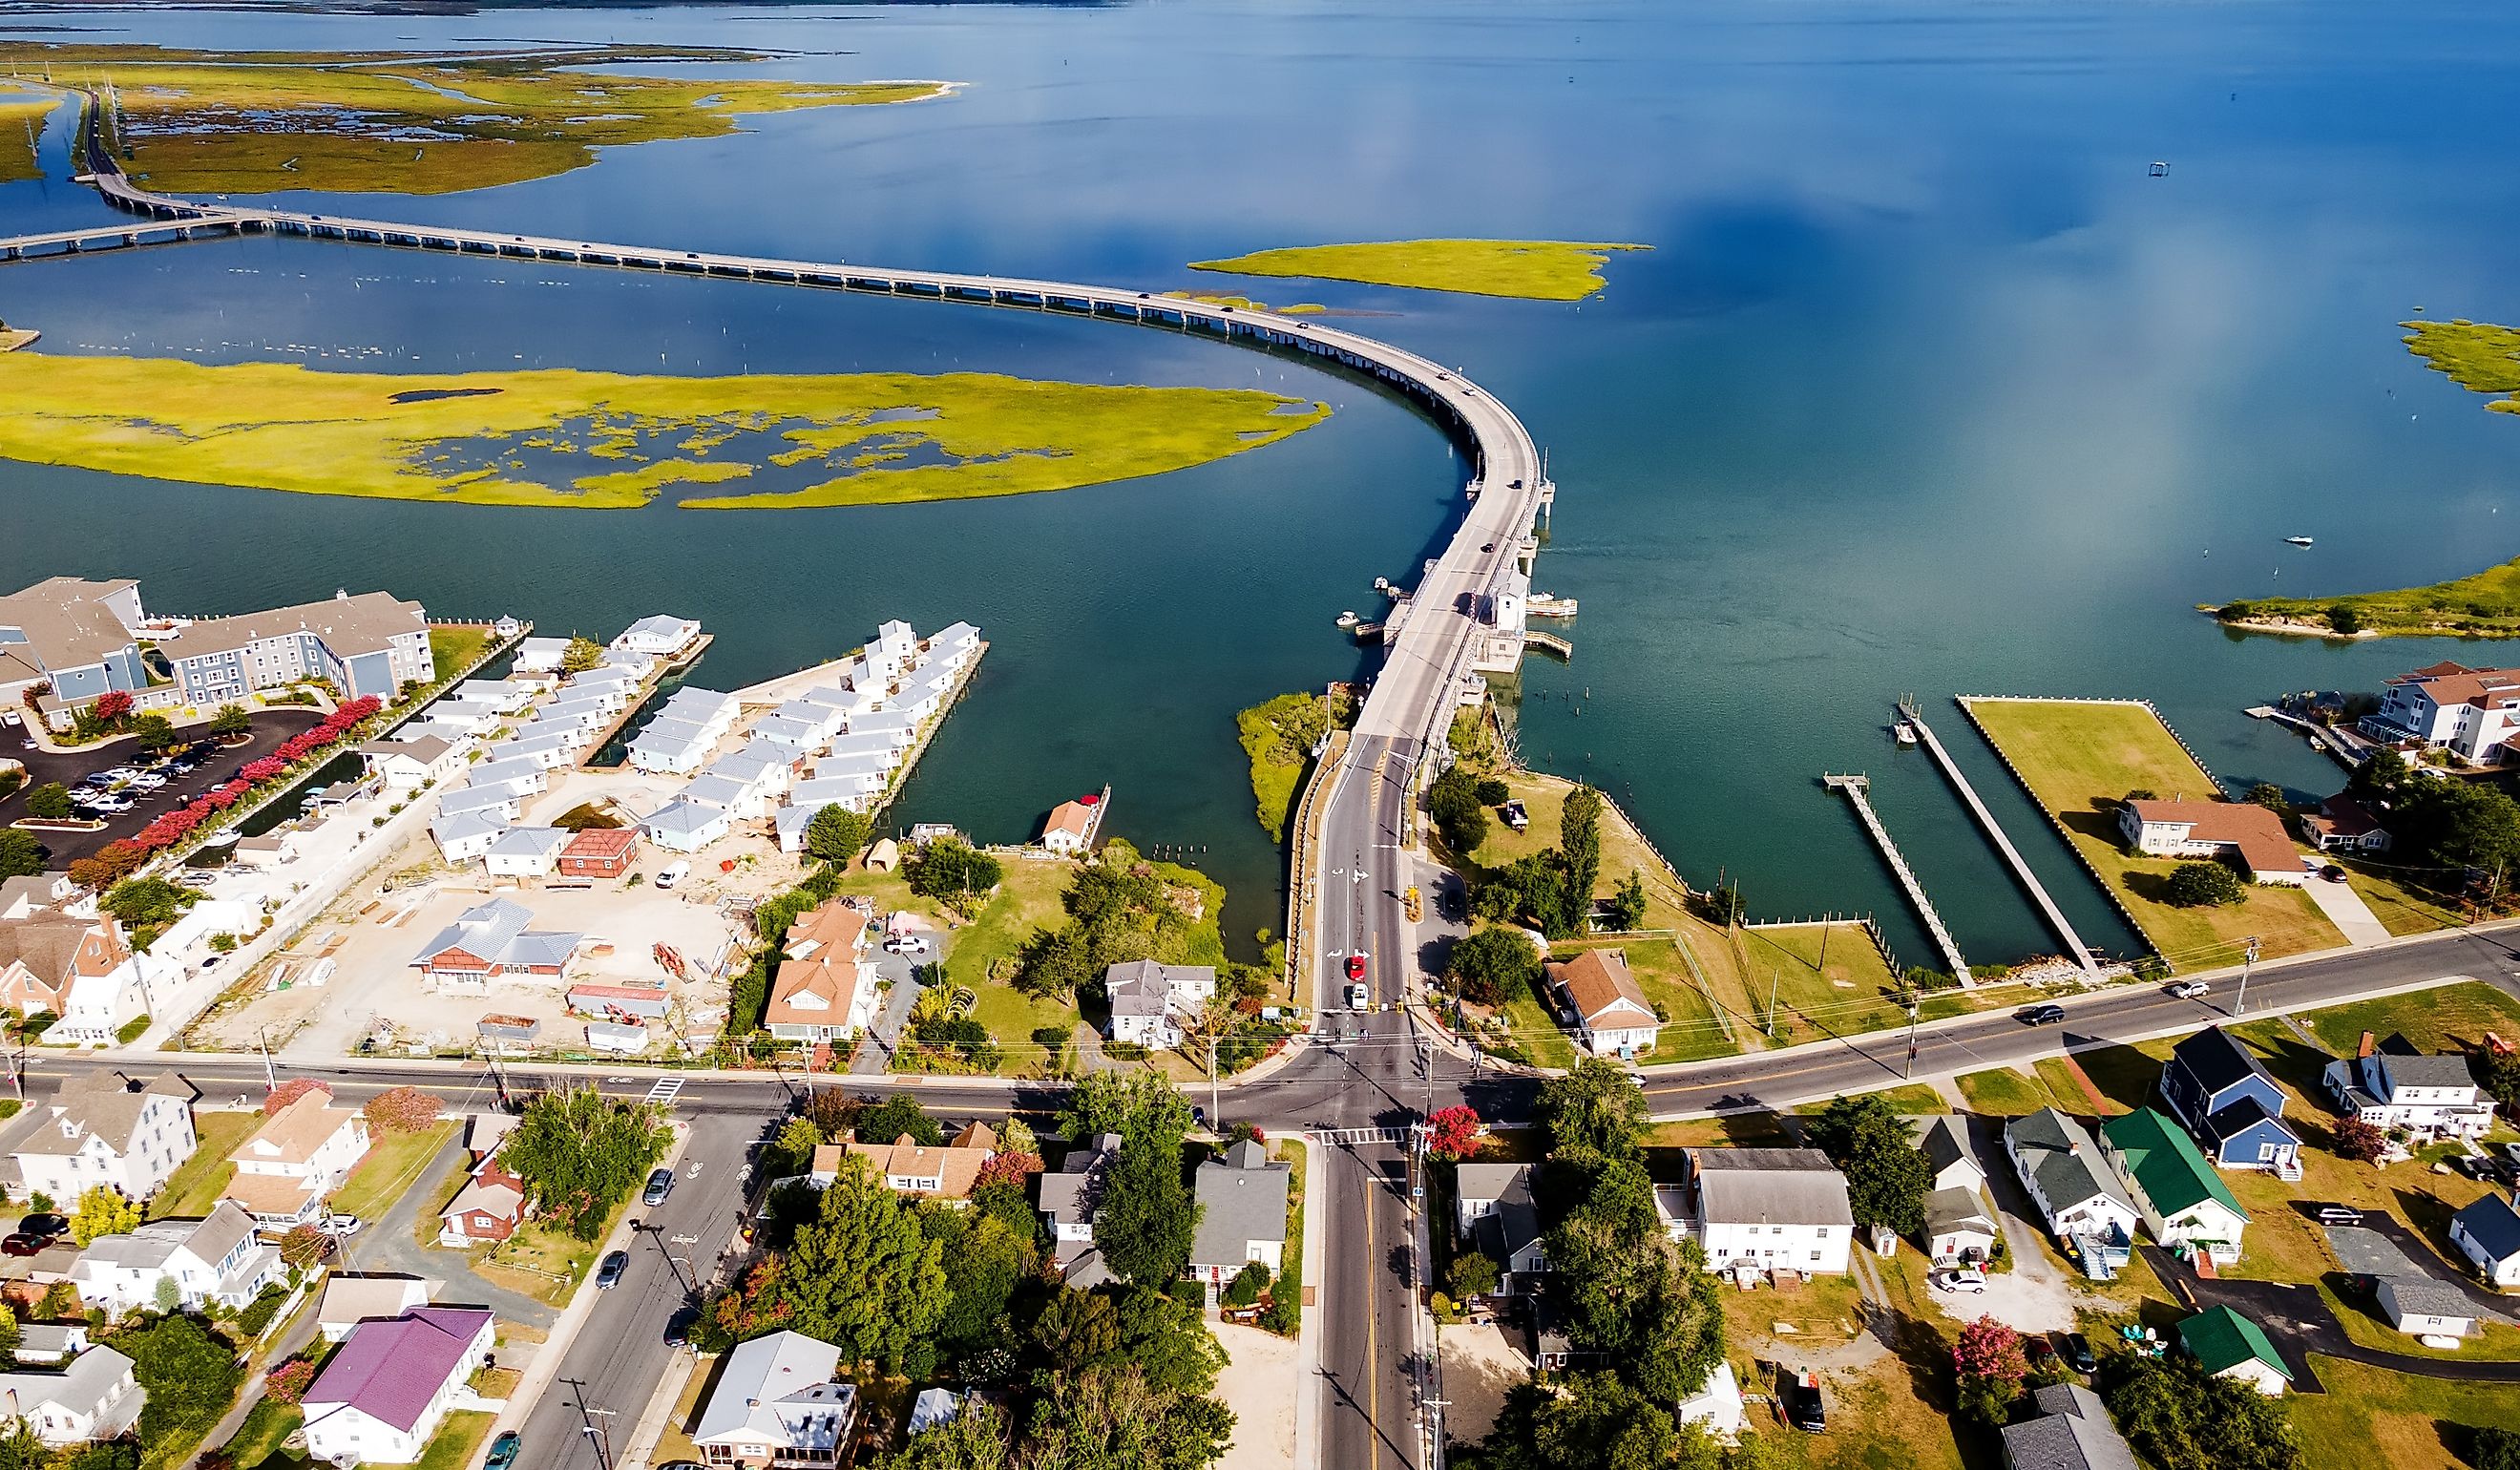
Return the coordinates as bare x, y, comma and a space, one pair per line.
2444, 1018
2401, 906
1907, 1097
395, 1163
2125, 1075
2075, 757
194, 1189
2371, 1418
2064, 1084
544, 1262
1690, 1028
1896, 1410
1028, 900
453, 646
674, 1442
257, 1440
2359, 1312
1536, 270
1279, 736
1536, 1031
2004, 1092
1854, 993
1749, 1130
457, 1444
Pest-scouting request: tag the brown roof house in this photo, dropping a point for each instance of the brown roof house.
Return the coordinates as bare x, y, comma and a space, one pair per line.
825, 989
2240, 830
2343, 825
489, 1208
1073, 825
1609, 1011
79, 969
600, 852
912, 1168
299, 1155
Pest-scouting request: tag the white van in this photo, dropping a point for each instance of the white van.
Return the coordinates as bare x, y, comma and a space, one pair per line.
673, 874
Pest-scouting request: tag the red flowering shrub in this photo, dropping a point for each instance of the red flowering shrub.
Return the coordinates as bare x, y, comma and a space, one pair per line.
286, 1383
289, 1091
403, 1110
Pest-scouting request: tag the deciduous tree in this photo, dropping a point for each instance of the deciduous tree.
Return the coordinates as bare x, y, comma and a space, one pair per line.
50, 802
835, 834
866, 1278
2204, 885
403, 1110
230, 722
2179, 1419
289, 1091
103, 1212
1493, 966
580, 1153
22, 854
1593, 1108
2362, 1142
1592, 1421
1991, 1365
1453, 1133
1886, 1178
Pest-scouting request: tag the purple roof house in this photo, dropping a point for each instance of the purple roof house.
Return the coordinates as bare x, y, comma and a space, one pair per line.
382, 1395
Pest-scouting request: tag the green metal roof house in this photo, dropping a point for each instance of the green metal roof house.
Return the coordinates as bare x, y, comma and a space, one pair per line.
2228, 1345
2182, 1200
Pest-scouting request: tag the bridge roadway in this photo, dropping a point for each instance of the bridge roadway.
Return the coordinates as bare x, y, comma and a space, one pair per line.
1368, 1412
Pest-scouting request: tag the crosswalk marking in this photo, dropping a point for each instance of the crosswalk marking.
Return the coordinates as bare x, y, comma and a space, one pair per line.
666, 1090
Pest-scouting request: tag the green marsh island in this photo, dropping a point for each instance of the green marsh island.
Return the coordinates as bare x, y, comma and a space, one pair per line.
2484, 605
2478, 356
21, 122
610, 441
392, 123
1534, 270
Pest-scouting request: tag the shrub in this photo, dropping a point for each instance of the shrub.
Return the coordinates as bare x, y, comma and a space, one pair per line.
403, 1110
1492, 792
2204, 885
288, 1383
1247, 1285
49, 802
289, 1091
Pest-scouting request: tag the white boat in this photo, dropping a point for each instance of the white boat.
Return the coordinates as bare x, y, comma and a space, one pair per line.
2297, 541
1905, 733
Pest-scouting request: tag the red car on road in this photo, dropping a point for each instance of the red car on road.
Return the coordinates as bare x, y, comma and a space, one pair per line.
1356, 967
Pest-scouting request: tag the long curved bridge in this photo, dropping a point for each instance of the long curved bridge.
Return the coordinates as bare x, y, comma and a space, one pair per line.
1464, 619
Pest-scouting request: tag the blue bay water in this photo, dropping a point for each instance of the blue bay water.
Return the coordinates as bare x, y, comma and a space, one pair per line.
1927, 385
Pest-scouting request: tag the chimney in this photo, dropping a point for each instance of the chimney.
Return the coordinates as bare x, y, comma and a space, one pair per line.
2366, 1048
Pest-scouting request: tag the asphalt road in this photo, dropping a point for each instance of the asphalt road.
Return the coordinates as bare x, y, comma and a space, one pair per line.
271, 727
619, 1355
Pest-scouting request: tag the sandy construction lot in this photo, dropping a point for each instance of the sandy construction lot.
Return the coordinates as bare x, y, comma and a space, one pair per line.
1259, 1384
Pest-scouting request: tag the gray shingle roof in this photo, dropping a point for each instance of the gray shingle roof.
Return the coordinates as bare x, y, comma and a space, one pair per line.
2423, 1295
2430, 1071
2071, 1433
1237, 1206
2492, 1225
1143, 988
2064, 1159
1787, 1186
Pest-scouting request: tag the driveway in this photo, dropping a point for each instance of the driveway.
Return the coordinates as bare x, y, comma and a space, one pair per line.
2299, 1323
2036, 1295
874, 1052
271, 727
388, 1246
2491, 1306
2346, 910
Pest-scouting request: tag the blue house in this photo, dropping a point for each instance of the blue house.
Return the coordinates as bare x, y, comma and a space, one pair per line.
2234, 1109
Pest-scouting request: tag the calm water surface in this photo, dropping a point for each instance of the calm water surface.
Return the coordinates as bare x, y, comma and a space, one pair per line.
1927, 386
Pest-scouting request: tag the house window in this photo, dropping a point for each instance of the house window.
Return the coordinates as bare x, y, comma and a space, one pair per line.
2266, 1154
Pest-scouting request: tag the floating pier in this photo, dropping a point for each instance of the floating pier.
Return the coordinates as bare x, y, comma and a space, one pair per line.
1855, 788
1548, 642
2080, 951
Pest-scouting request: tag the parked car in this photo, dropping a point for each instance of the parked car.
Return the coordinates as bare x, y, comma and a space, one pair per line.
47, 1225
22, 1245
2186, 990
2333, 873
660, 1184
2042, 1352
344, 1225
674, 872
503, 1450
909, 943
2043, 1015
1804, 1408
2339, 1215
1972, 1281
2079, 1355
609, 1275
148, 781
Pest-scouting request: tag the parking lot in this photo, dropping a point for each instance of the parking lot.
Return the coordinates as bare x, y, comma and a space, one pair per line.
271, 727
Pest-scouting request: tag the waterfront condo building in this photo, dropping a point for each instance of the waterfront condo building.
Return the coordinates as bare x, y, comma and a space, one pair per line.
2470, 712
366, 645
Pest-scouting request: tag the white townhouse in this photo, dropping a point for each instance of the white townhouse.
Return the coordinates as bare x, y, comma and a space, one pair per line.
2061, 1167
541, 654
922, 697
799, 735
858, 789
584, 712
2435, 1096
1772, 1210
686, 826
104, 1128
788, 825
496, 694
894, 649
739, 800
552, 748
779, 1402
299, 1155
823, 719
97, 1398
216, 1261
853, 699
772, 766
668, 747
894, 724
526, 852
506, 798
452, 717
407, 764
882, 746
954, 645
657, 636
713, 710
531, 778
467, 837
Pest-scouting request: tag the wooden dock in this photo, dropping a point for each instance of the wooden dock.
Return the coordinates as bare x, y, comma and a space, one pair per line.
1549, 642
2075, 949
1855, 788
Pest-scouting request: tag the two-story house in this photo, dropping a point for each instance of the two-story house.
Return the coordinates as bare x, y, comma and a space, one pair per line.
2450, 706
489, 1207
1496, 1213
218, 1260
1241, 1214
825, 987
2231, 1104
95, 1397
2241, 830
286, 1168
75, 635
104, 1128
1150, 1002
779, 1404
1069, 1199
1771, 1210
384, 1393
2435, 1096
2182, 1200
78, 968
2076, 1192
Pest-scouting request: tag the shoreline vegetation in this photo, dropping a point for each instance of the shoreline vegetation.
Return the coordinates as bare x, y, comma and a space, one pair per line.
2478, 356
21, 123
2485, 604
564, 437
1531, 270
1279, 736
394, 122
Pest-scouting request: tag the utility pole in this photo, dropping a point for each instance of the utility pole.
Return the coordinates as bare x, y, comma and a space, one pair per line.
270, 1079
1215, 1110
1909, 1070
1772, 1004
2248, 957
598, 1436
